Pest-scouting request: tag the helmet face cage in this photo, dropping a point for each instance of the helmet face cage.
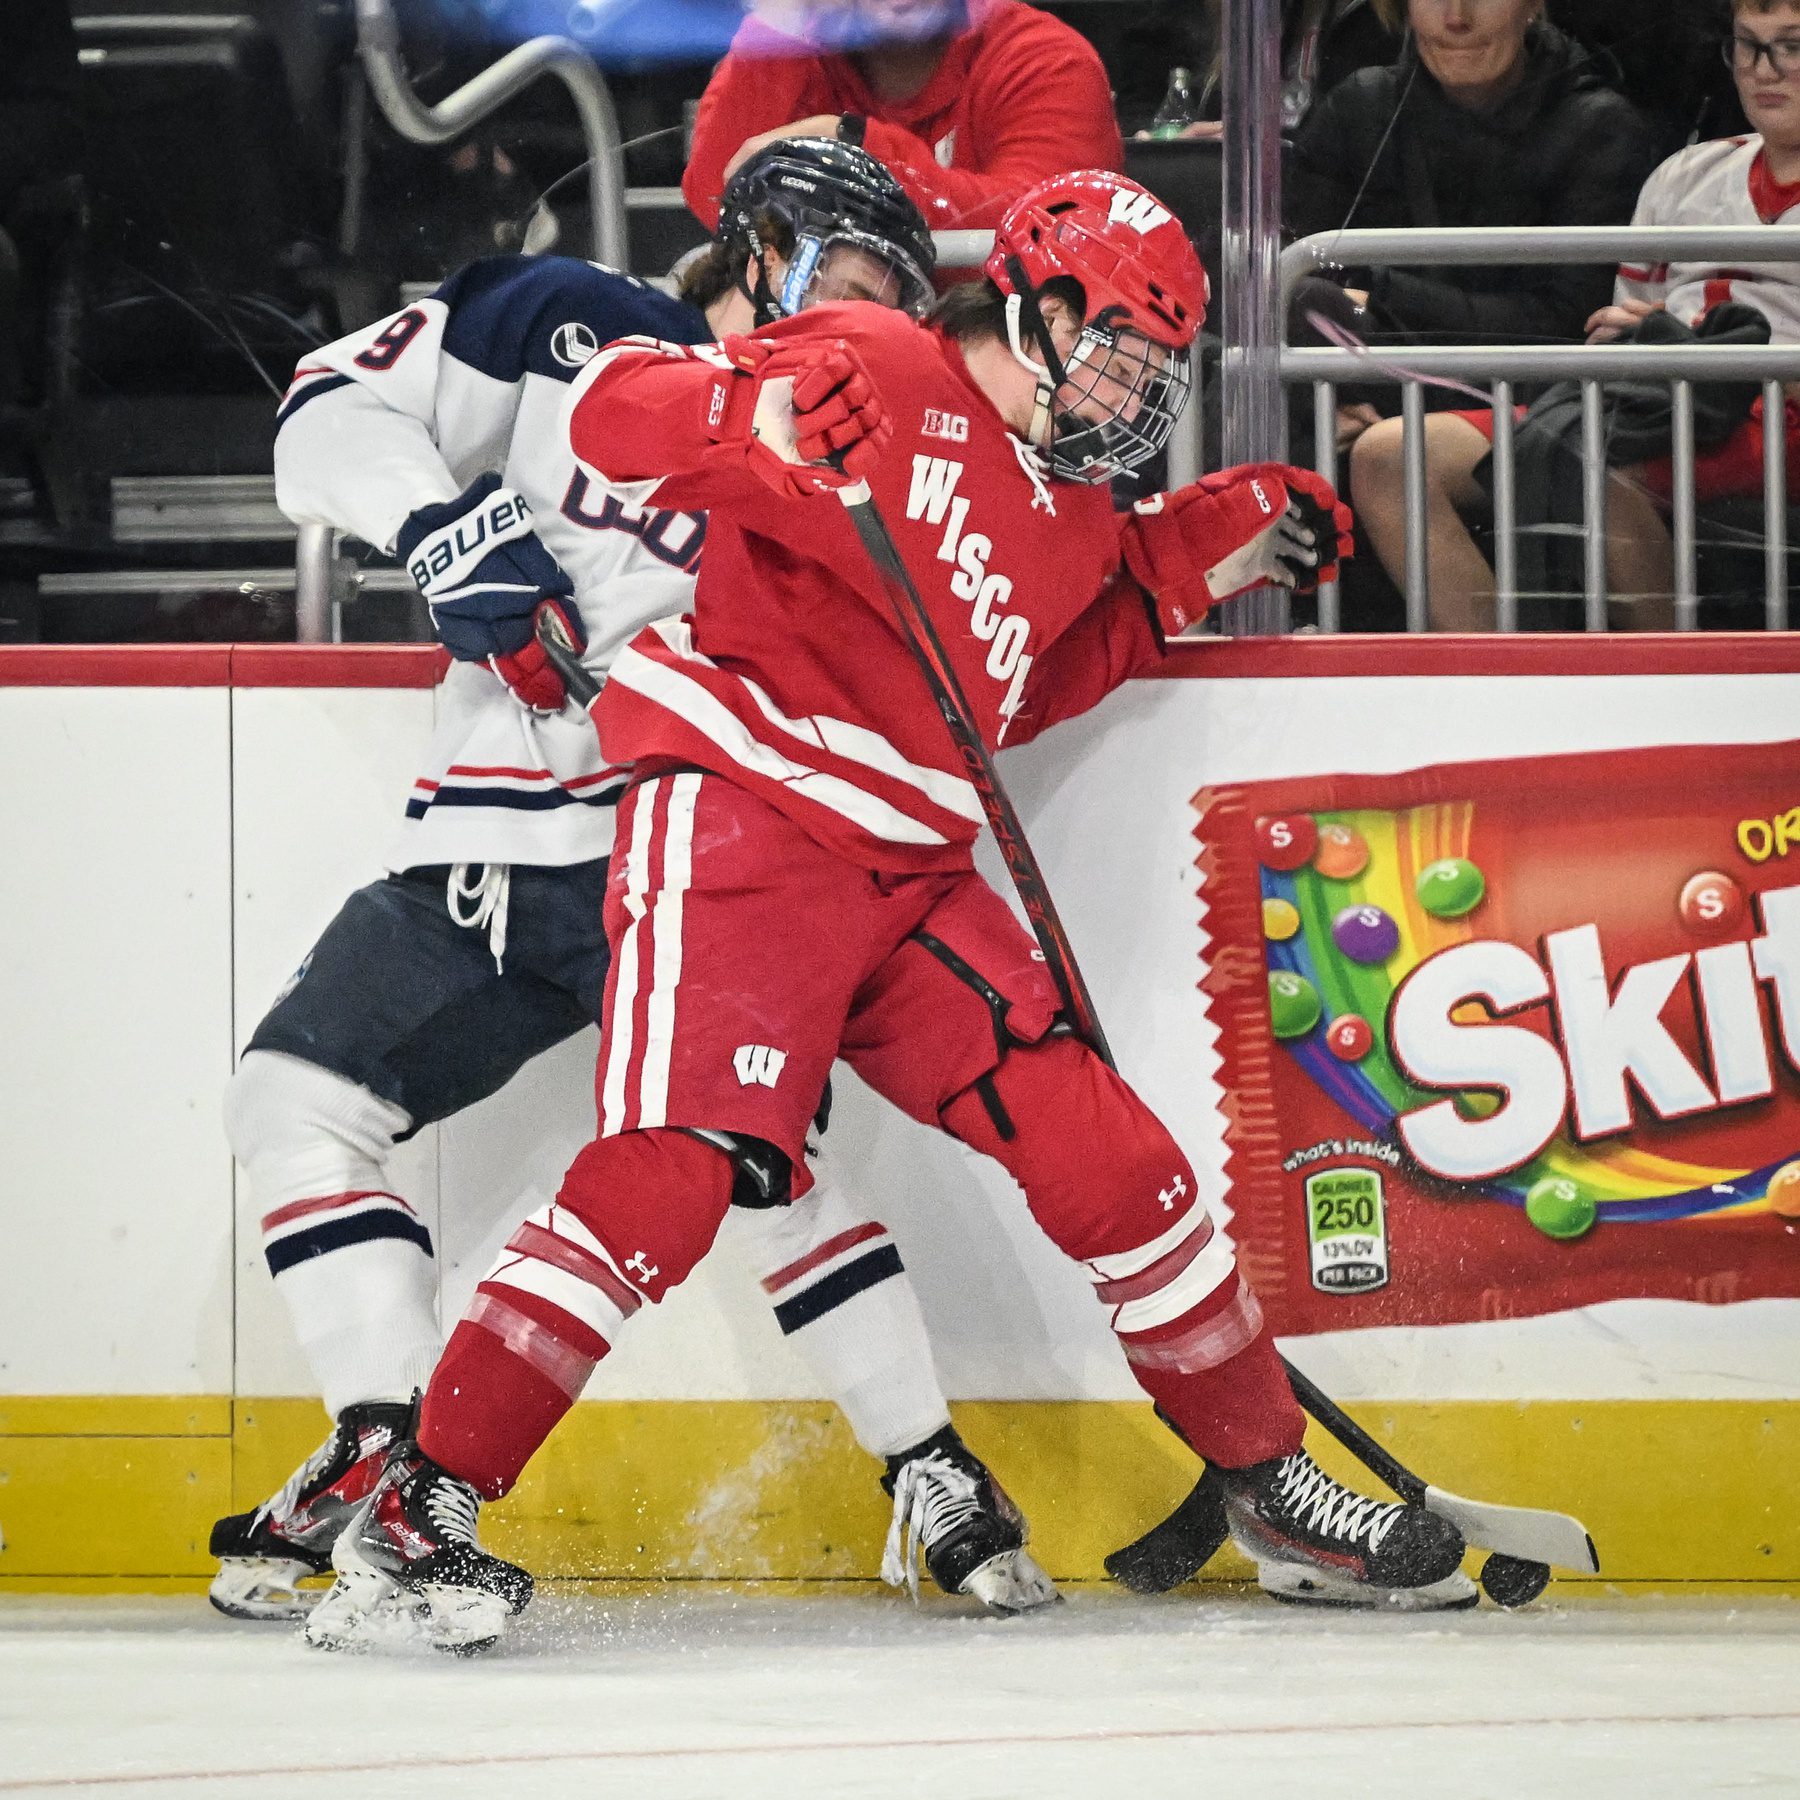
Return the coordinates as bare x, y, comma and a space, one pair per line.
1117, 404
836, 262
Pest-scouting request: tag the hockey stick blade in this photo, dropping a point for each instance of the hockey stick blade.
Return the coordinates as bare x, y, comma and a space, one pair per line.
560, 653
1525, 1532
1521, 1531
1179, 1548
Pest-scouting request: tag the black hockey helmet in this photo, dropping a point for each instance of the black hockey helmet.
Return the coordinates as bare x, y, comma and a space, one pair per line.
856, 234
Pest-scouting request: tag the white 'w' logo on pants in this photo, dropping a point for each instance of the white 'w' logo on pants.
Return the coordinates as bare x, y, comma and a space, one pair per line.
757, 1065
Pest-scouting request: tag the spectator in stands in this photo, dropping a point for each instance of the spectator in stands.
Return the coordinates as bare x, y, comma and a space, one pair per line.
1489, 117
967, 101
40, 140
1739, 182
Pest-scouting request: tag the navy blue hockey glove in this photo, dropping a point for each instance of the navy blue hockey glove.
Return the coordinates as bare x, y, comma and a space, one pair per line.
486, 577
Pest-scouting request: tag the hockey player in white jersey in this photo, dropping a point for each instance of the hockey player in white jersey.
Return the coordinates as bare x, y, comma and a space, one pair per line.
435, 433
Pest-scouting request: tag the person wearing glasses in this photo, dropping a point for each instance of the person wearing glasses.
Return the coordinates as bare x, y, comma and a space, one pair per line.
1743, 181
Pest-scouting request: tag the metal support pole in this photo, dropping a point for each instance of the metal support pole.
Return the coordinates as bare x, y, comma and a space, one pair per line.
1687, 595
1253, 413
1184, 442
1506, 511
1775, 507
1325, 460
378, 43
1412, 448
314, 552
1593, 505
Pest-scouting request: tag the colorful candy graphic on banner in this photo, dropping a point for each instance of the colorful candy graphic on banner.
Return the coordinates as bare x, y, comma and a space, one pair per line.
1510, 1037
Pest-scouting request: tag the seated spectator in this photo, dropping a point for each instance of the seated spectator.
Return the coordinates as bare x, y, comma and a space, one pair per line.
1490, 117
967, 101
1739, 182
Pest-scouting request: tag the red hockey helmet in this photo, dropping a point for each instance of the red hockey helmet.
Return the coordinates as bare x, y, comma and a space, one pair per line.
1111, 404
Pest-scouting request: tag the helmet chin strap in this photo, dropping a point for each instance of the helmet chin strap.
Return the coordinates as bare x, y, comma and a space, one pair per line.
765, 309
1024, 317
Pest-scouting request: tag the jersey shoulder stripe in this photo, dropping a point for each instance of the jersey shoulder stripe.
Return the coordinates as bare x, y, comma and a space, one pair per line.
512, 316
308, 384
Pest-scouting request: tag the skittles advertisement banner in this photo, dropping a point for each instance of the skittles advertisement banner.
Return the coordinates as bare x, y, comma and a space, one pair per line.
1506, 1038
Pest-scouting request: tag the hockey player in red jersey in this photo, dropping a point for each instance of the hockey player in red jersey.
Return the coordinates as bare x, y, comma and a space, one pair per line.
794, 790
484, 946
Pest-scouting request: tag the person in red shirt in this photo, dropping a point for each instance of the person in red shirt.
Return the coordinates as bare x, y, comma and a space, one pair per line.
968, 102
794, 791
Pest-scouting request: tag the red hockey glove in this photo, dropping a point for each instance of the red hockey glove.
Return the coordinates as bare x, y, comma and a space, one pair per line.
1260, 524
529, 672
793, 405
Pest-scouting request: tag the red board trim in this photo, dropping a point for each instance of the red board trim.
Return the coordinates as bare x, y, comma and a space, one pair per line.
338, 665
222, 665
1233, 659
1522, 653
115, 665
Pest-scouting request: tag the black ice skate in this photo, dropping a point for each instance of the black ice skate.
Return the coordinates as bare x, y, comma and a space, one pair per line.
949, 1507
1316, 1542
264, 1554
409, 1566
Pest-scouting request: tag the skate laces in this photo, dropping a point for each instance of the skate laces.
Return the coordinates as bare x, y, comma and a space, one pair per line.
452, 1506
1332, 1509
933, 1497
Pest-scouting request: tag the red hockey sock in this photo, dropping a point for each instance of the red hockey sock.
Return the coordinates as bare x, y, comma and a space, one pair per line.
496, 1393
1113, 1190
635, 1213
1235, 1414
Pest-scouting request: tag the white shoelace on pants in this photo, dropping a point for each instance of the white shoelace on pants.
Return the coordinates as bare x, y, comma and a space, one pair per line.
491, 896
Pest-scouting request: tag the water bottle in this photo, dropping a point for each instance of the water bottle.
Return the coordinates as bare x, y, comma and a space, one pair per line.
1179, 108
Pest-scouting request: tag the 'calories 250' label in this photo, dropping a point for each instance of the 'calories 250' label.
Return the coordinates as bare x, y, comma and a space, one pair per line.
1346, 1223
1535, 1020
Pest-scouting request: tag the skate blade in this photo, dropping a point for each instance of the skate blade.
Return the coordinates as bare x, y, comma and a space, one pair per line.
1305, 1584
463, 1621
366, 1613
262, 1588
1011, 1583
367, 1609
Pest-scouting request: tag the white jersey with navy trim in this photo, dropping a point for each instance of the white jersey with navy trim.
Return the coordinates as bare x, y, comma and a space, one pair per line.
1724, 181
406, 413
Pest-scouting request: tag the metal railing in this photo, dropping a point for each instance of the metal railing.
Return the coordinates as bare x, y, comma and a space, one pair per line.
324, 579
378, 44
1409, 367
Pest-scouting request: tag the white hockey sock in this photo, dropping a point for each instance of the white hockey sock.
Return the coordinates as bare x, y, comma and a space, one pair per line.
366, 1318
352, 1260
843, 1298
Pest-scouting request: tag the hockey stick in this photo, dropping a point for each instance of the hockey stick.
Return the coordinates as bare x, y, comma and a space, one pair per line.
1516, 1533
560, 653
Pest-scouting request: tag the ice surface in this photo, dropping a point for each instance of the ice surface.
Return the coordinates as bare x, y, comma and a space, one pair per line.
737, 1696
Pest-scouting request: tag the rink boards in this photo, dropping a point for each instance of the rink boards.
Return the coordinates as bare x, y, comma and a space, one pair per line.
179, 824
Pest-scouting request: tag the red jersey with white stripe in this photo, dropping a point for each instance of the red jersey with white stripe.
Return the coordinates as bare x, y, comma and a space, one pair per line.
1724, 182
791, 677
